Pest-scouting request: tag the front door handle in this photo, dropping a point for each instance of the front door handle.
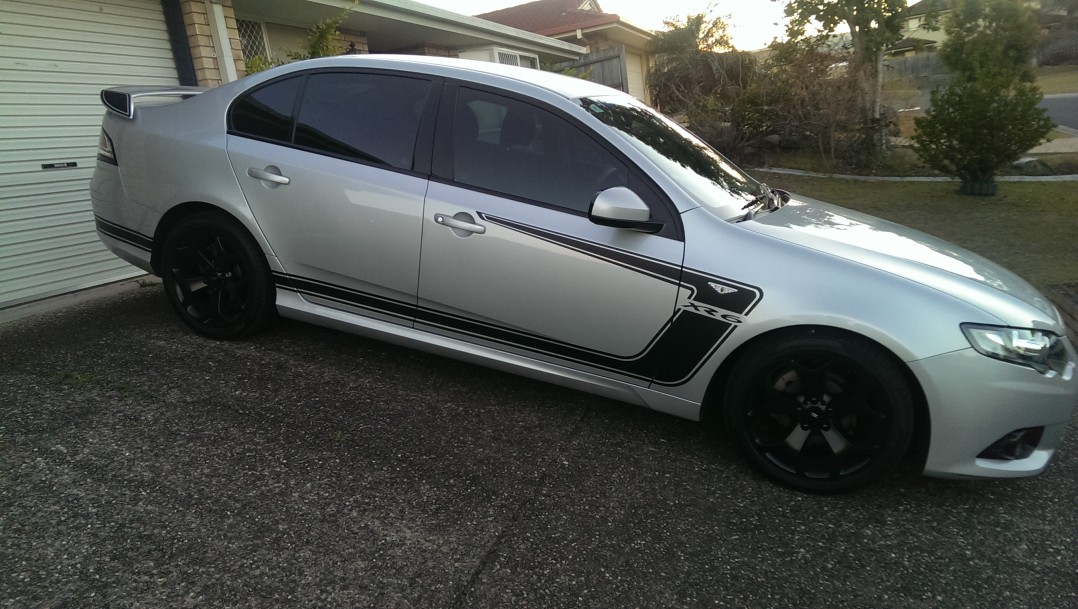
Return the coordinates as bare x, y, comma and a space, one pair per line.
268, 175
460, 222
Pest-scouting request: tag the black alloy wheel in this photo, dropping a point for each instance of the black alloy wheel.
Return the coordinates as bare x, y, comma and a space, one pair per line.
821, 412
216, 277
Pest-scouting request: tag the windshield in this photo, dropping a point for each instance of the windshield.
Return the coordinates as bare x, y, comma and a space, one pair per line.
697, 167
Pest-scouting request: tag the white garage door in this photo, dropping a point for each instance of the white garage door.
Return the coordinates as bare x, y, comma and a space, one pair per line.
55, 57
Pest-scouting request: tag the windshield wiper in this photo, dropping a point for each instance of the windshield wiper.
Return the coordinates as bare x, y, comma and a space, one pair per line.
771, 198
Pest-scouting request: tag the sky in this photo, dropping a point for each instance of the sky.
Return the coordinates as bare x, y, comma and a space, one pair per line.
753, 23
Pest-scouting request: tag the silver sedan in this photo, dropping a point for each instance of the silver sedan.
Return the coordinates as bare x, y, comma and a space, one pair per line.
559, 229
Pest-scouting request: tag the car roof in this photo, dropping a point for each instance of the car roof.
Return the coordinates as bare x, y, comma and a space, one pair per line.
466, 69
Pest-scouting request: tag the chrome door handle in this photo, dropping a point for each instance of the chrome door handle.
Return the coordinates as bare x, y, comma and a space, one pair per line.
458, 224
260, 174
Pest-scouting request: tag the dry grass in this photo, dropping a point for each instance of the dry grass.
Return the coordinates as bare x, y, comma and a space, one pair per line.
1031, 228
1058, 79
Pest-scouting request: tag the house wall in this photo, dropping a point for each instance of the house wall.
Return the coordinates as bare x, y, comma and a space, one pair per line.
209, 69
285, 39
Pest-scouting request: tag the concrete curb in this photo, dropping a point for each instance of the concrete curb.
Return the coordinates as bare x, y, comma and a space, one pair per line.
836, 176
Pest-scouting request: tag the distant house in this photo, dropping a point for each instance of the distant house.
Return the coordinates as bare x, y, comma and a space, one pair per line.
617, 49
919, 33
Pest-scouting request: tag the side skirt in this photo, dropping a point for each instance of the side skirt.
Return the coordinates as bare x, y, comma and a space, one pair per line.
293, 306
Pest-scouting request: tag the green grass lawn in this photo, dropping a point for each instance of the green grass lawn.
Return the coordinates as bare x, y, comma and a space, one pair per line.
1058, 79
1029, 227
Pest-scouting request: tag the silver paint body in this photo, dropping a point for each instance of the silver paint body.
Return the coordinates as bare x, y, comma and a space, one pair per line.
398, 236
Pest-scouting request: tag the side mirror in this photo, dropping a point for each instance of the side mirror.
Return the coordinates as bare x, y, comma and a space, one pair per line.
620, 207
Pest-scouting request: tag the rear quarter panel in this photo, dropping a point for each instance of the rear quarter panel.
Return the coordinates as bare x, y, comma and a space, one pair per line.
174, 154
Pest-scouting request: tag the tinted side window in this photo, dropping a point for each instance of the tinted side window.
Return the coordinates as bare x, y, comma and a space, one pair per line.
368, 117
267, 112
512, 147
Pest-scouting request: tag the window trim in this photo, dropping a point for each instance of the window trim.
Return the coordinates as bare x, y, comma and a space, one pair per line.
424, 144
442, 168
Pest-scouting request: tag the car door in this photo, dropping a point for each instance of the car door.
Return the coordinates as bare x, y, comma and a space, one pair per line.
327, 161
510, 258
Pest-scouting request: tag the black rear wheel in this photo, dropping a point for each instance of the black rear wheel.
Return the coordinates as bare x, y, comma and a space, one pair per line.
820, 411
216, 277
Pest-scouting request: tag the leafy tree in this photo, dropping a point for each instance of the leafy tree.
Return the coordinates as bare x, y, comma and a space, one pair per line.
988, 115
322, 41
697, 73
795, 101
874, 25
990, 41
322, 38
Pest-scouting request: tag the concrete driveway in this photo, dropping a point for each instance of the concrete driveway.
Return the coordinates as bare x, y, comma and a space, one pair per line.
141, 466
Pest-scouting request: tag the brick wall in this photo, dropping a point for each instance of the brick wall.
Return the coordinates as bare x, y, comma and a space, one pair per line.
430, 50
199, 36
359, 38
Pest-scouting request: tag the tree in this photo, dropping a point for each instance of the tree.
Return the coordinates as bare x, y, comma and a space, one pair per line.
686, 72
698, 73
795, 101
988, 116
874, 25
322, 41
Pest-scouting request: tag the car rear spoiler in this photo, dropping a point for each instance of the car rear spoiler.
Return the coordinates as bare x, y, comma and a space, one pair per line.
121, 100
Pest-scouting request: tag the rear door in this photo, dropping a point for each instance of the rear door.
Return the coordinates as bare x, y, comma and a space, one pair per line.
328, 163
510, 258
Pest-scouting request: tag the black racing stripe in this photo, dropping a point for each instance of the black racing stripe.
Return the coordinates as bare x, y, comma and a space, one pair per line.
691, 340
730, 295
121, 233
721, 292
672, 357
636, 366
636, 262
343, 295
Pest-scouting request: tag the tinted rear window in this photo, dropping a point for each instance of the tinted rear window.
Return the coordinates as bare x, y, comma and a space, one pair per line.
368, 117
266, 113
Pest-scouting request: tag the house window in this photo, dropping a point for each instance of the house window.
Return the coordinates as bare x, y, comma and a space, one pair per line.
252, 38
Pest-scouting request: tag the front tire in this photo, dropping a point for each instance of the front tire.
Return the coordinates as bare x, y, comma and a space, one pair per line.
216, 277
820, 411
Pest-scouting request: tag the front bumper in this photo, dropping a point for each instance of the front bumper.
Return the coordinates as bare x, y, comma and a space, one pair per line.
973, 401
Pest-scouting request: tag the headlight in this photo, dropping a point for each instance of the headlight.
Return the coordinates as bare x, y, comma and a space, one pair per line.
1046, 352
105, 151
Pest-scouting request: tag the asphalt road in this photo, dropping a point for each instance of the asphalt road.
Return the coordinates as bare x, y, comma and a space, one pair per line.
1063, 109
141, 466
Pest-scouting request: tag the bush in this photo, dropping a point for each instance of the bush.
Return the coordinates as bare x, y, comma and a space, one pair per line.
974, 129
988, 116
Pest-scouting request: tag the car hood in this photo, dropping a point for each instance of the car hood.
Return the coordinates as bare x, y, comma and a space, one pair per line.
902, 251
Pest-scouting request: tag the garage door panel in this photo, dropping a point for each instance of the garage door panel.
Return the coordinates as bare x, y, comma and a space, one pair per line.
62, 237
37, 70
33, 172
25, 265
46, 280
60, 204
26, 194
93, 22
55, 57
104, 51
99, 16
28, 134
44, 155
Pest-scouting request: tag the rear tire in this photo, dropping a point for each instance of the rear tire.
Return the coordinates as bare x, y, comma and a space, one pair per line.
820, 411
216, 277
